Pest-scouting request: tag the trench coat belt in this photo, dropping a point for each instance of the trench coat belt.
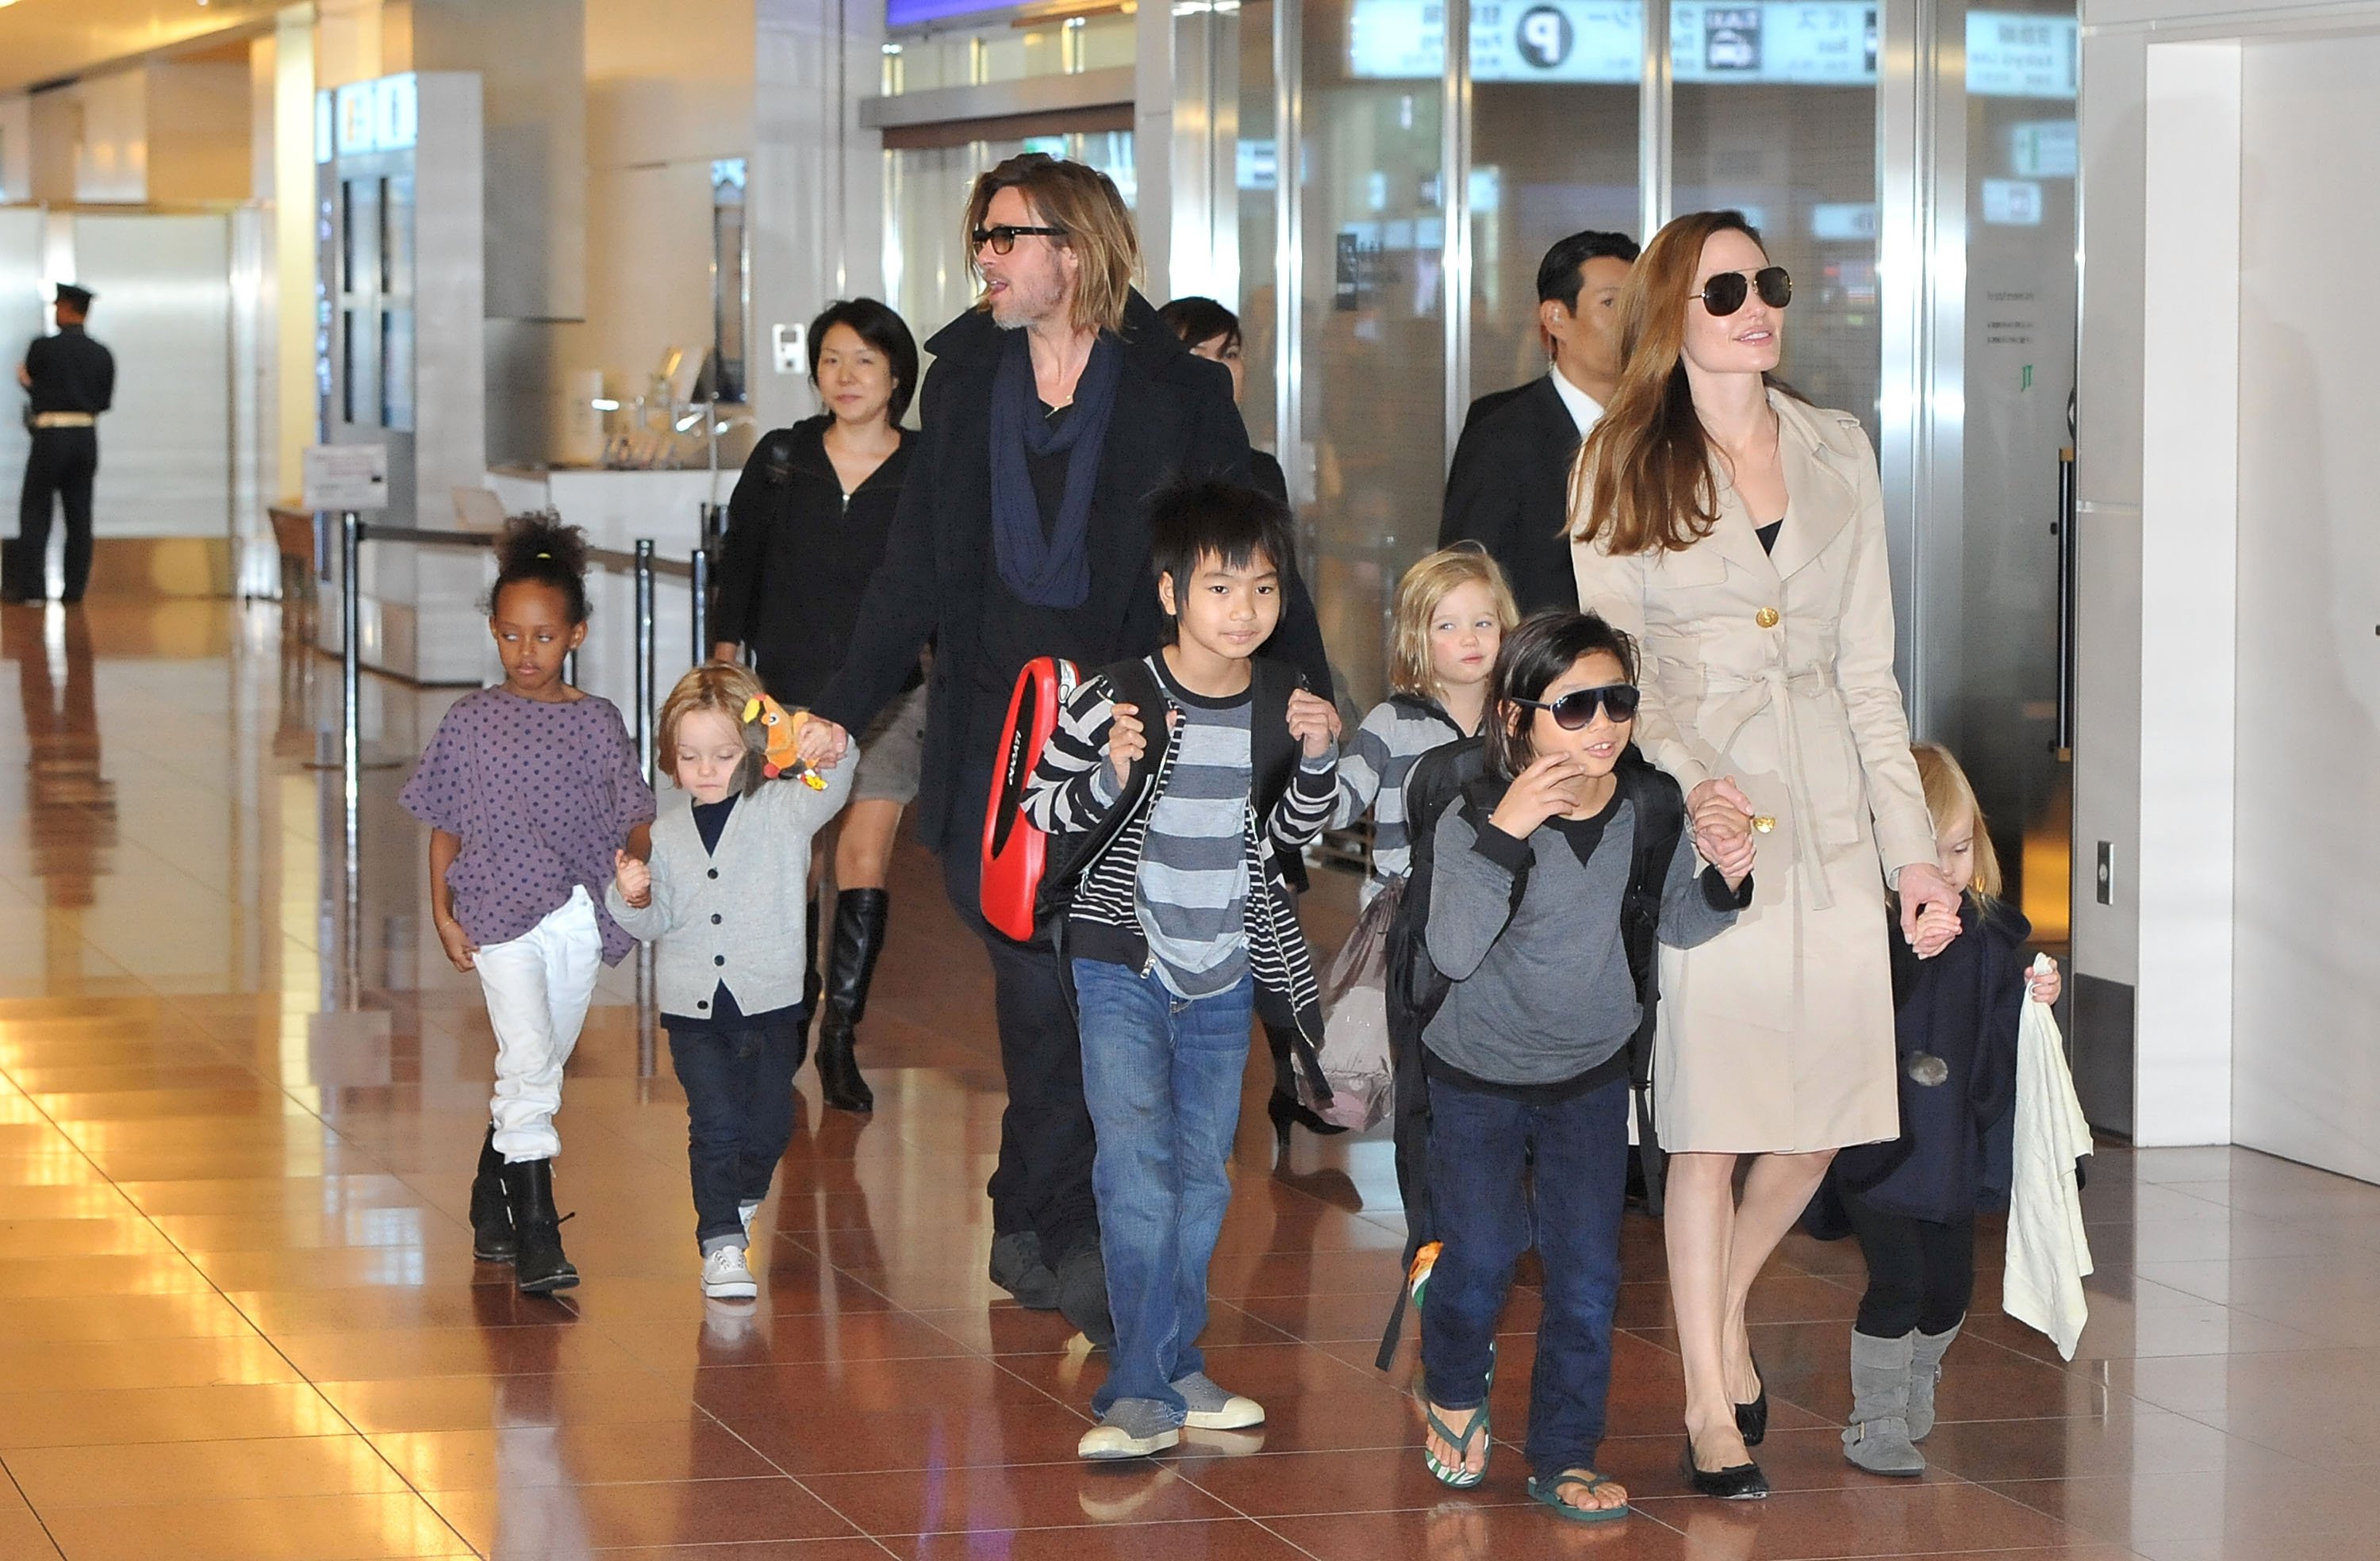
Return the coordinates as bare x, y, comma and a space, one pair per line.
1744, 697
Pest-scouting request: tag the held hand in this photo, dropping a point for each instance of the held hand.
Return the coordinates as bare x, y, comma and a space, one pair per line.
457, 943
635, 879
1127, 741
1722, 815
1548, 787
1314, 721
1936, 928
727, 650
1922, 884
2045, 984
1731, 854
821, 743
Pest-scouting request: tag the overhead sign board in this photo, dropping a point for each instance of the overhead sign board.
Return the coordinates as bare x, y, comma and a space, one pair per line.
345, 477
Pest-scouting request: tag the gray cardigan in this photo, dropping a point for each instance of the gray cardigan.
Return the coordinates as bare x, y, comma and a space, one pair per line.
741, 914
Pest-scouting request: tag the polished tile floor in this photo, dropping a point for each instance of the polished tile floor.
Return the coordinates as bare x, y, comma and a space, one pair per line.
239, 1317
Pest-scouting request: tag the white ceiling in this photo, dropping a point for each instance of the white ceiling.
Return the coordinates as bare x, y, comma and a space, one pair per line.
44, 39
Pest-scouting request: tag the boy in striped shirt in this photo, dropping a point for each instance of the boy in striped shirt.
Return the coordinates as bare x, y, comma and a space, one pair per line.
1176, 784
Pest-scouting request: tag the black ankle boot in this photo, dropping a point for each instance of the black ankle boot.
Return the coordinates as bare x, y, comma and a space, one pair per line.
859, 917
540, 1268
492, 1216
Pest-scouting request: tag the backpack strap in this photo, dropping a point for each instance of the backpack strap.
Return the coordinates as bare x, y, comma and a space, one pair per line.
1660, 819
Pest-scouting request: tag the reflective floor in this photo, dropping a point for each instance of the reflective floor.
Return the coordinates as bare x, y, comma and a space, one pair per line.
239, 1317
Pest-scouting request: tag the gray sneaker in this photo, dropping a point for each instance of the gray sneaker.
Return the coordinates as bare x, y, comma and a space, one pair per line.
1132, 1428
1017, 1267
1213, 1408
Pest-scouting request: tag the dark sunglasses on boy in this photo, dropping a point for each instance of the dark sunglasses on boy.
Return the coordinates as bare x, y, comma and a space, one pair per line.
1002, 238
1725, 293
1575, 710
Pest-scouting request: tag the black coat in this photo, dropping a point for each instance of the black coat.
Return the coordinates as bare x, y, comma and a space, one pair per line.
1174, 418
1508, 490
1952, 1159
800, 555
70, 372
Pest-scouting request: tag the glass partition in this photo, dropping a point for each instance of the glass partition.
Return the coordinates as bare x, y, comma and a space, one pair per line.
1372, 337
1256, 179
1774, 114
1554, 102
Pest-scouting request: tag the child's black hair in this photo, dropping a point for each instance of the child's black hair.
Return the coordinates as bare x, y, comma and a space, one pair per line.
538, 549
1197, 520
1546, 646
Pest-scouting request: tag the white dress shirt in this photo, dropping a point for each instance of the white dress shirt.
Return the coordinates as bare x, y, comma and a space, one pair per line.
1584, 411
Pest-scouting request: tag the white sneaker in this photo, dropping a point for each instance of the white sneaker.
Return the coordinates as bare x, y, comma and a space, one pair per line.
1213, 1408
726, 1276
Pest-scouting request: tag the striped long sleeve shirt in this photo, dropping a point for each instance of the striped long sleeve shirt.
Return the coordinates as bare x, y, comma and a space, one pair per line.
1182, 872
1394, 736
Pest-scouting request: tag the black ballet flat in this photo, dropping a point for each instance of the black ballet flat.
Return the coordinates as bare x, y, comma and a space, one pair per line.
1752, 1420
1739, 1482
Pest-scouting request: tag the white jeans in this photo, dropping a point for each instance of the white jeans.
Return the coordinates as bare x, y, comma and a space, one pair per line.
537, 987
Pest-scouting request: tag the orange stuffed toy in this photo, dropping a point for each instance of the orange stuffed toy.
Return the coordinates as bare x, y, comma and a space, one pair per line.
780, 730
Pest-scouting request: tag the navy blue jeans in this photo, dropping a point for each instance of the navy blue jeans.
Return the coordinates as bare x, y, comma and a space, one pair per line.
1161, 1075
739, 1115
1490, 1209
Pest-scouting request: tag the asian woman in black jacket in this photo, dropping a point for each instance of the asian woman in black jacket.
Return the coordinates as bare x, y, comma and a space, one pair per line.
806, 529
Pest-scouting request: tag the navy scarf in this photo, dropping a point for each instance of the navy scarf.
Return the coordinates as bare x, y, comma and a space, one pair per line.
1049, 568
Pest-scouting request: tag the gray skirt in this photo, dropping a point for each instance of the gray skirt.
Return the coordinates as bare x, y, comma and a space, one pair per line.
892, 751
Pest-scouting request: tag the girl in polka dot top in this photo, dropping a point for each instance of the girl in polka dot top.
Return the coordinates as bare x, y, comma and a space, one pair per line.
530, 788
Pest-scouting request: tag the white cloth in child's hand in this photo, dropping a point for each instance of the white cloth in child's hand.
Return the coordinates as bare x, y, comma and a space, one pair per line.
2048, 1253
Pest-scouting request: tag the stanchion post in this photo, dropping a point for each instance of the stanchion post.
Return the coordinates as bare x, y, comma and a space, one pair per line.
645, 655
351, 745
699, 598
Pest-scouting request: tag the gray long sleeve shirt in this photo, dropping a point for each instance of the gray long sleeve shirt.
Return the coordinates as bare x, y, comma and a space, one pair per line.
1542, 992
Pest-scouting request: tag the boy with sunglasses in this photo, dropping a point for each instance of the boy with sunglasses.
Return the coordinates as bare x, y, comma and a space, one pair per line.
1532, 873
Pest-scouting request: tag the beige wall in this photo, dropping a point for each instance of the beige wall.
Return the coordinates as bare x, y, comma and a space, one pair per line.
203, 152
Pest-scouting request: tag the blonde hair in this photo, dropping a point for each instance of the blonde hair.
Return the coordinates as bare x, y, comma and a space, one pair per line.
1418, 594
1643, 477
728, 689
1948, 796
1084, 203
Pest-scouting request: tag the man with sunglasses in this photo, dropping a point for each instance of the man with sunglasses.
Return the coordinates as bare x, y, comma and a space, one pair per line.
1507, 488
1055, 407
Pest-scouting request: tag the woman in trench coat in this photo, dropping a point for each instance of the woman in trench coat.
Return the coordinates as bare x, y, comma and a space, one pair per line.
1769, 693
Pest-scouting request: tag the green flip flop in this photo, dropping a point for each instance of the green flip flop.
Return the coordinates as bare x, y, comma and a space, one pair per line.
1548, 1492
1456, 1475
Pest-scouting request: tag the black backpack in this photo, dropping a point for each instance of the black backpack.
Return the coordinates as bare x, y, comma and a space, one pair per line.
1456, 775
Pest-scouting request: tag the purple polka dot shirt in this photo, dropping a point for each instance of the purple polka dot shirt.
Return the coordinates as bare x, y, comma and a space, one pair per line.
541, 794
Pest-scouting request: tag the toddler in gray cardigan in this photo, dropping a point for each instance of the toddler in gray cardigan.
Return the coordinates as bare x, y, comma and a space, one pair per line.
727, 896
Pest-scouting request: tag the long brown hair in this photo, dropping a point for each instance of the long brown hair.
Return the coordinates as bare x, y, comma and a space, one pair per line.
1643, 479
1079, 199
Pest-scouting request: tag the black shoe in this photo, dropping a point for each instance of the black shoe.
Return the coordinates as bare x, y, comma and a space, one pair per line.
1083, 1296
1017, 1267
1752, 1420
860, 915
1737, 1481
491, 1214
1288, 1111
540, 1268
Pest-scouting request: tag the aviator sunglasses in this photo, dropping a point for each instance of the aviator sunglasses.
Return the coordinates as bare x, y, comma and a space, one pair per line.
1574, 710
1003, 237
1725, 293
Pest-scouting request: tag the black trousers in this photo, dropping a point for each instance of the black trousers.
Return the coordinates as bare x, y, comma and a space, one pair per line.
1920, 1273
1043, 1180
60, 467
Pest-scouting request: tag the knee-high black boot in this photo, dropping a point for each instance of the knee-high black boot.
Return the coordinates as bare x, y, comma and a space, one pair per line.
491, 1214
859, 917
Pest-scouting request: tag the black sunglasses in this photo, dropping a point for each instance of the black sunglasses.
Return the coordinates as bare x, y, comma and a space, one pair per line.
1574, 710
1725, 293
1003, 237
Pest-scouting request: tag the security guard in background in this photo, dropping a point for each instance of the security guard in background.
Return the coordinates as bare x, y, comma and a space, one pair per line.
72, 380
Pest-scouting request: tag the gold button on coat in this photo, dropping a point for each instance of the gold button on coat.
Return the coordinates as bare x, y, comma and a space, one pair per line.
1767, 617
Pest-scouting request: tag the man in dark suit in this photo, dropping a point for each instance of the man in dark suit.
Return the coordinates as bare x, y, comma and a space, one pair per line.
72, 380
1509, 486
1005, 548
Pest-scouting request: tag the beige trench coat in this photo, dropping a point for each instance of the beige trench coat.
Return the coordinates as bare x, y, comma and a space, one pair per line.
1777, 1035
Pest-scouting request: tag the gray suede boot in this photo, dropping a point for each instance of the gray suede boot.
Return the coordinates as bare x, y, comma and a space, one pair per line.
1925, 1370
1877, 1438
